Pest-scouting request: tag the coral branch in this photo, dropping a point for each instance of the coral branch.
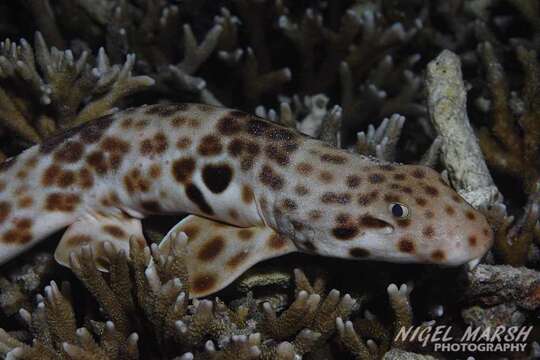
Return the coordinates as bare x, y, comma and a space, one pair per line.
461, 153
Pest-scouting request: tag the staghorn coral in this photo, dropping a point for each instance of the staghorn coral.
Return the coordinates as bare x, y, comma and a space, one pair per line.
359, 30
250, 61
132, 284
251, 70
512, 145
56, 336
378, 96
514, 240
152, 282
309, 116
352, 334
144, 312
194, 55
381, 142
44, 90
151, 29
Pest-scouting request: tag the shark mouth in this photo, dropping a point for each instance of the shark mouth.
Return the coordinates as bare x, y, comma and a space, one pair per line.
372, 223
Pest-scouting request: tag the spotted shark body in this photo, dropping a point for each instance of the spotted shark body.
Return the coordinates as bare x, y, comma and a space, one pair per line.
254, 190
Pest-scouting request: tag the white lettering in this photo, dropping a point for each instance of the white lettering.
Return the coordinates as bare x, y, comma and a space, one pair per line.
498, 339
437, 334
424, 335
523, 334
511, 333
499, 330
485, 335
446, 336
404, 334
470, 334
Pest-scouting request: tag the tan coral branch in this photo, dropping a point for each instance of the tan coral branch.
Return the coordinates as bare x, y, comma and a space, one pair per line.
461, 152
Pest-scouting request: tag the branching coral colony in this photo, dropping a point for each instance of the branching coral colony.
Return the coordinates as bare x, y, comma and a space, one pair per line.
341, 71
47, 90
145, 313
512, 146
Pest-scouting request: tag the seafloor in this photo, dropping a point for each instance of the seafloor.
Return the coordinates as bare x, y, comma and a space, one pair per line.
338, 70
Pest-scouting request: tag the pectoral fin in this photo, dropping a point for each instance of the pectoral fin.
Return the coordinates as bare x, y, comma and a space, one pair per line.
217, 253
95, 230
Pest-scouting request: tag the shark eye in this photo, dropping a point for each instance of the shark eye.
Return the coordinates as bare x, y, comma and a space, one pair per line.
399, 210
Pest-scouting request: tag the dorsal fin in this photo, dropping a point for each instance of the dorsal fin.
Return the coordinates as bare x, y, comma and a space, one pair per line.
95, 230
217, 253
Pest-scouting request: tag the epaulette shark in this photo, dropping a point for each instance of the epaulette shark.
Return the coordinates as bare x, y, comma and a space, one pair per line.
254, 190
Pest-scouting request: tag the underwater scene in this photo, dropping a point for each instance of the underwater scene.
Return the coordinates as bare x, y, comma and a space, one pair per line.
269, 179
